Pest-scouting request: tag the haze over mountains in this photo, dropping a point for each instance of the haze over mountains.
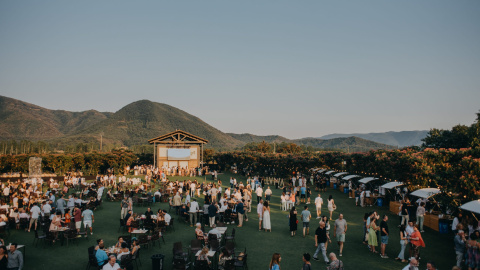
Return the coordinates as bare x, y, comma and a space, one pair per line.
400, 138
135, 123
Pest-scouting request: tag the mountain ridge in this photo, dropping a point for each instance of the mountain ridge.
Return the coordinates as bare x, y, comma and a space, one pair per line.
132, 125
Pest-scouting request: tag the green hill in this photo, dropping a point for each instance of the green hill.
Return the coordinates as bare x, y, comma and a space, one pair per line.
133, 125
400, 138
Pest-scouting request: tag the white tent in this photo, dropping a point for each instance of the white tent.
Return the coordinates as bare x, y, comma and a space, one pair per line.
322, 170
425, 192
473, 206
392, 185
348, 177
340, 174
367, 179
329, 172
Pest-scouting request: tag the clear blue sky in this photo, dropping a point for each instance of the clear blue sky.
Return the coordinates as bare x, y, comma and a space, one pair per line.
293, 68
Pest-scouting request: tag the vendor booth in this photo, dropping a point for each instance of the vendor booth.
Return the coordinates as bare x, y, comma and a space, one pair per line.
346, 180
330, 180
394, 204
336, 180
434, 220
371, 195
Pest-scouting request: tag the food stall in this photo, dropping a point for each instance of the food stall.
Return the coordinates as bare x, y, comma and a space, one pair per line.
329, 179
394, 204
348, 178
433, 219
337, 179
371, 196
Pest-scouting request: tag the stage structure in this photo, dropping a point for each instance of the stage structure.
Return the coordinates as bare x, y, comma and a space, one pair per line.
178, 149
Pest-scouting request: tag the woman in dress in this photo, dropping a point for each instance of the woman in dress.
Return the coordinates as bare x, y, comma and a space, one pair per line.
130, 220
293, 221
473, 254
417, 242
331, 205
372, 235
403, 244
275, 262
123, 251
3, 257
266, 217
56, 223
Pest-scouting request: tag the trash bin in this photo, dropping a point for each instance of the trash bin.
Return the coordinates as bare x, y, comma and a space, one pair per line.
443, 226
157, 261
345, 190
328, 183
380, 202
335, 186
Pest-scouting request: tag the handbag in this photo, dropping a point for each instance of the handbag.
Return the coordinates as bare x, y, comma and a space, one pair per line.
296, 221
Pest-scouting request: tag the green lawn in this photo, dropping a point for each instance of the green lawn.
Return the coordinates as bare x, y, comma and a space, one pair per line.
260, 245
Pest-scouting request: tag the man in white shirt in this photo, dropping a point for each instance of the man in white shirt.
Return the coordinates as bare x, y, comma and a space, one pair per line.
259, 192
260, 214
167, 217
35, 212
46, 208
268, 194
213, 193
112, 264
318, 205
193, 212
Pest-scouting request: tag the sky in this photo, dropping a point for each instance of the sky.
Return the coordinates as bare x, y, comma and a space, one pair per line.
291, 68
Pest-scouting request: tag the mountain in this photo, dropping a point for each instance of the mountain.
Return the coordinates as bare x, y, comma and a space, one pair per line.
24, 121
351, 144
401, 138
133, 125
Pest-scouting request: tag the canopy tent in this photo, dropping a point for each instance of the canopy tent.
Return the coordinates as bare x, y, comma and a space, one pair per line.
391, 185
340, 174
329, 172
348, 177
367, 179
425, 192
322, 170
473, 206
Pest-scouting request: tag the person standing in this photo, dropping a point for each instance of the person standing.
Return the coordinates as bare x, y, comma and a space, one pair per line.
417, 242
88, 220
339, 231
240, 212
331, 205
275, 262
77, 217
35, 213
318, 205
306, 216
384, 233
293, 221
259, 192
212, 212
335, 263
403, 244
15, 258
460, 241
372, 234
124, 206
421, 215
321, 238
357, 196
193, 211
266, 217
268, 194
61, 204
260, 214
404, 213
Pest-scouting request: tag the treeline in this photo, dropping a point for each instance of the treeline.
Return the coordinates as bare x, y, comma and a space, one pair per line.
460, 136
89, 163
283, 148
455, 171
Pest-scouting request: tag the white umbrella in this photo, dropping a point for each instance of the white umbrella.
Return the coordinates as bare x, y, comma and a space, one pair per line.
392, 185
339, 174
367, 179
425, 192
329, 172
348, 177
473, 206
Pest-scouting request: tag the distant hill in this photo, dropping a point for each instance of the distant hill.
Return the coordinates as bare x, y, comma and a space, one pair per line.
352, 144
133, 125
401, 138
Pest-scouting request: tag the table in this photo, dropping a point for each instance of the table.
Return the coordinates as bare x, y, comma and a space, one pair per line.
112, 250
394, 207
209, 254
139, 231
222, 230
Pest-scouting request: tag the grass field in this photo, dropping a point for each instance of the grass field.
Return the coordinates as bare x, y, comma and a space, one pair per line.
260, 245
